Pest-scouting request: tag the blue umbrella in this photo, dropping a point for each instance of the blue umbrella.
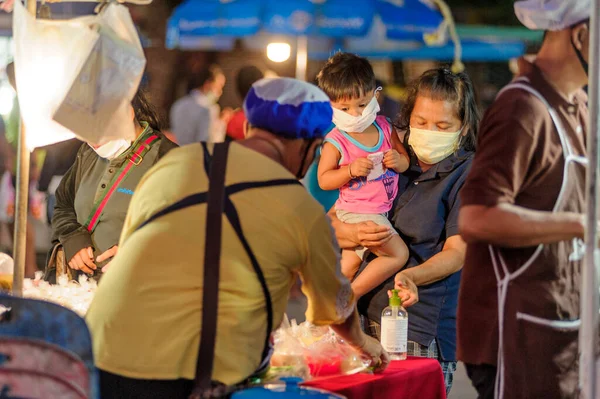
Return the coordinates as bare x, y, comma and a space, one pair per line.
392, 29
405, 19
472, 50
221, 21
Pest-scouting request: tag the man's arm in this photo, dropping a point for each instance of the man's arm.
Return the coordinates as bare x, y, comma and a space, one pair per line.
329, 294
507, 161
351, 332
508, 225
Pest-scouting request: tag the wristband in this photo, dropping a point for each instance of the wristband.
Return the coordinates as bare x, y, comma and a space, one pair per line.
350, 172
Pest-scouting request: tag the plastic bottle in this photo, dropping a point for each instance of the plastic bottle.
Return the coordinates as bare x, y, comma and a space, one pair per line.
394, 328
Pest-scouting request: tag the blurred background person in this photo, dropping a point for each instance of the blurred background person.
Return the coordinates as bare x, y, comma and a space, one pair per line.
197, 117
244, 81
8, 152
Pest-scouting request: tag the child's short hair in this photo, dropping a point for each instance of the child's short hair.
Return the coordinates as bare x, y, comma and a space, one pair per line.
346, 76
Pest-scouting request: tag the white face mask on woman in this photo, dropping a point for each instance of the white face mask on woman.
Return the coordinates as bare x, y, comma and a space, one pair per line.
356, 124
432, 147
112, 149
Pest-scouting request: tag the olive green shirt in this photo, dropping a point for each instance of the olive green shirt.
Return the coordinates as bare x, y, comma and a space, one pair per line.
84, 185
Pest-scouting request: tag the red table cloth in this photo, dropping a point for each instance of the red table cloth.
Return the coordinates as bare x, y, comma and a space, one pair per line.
416, 378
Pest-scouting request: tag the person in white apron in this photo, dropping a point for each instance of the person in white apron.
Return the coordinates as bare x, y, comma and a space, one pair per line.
522, 217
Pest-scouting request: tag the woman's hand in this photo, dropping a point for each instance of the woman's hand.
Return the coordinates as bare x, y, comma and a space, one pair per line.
107, 255
371, 349
360, 167
393, 160
407, 289
370, 234
84, 261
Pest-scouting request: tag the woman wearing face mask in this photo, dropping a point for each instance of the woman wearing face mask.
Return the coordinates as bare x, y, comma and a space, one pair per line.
93, 197
440, 118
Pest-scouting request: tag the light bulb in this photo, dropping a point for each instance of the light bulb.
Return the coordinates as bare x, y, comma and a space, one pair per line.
278, 52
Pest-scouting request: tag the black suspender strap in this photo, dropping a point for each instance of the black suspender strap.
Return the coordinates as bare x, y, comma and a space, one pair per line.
212, 260
219, 203
234, 220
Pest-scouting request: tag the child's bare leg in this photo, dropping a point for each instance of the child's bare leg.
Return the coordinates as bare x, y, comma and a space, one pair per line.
390, 258
350, 263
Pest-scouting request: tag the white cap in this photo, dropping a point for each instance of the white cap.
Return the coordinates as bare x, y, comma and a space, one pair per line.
552, 14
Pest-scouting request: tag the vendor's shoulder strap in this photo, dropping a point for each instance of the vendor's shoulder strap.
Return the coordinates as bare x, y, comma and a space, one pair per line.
212, 260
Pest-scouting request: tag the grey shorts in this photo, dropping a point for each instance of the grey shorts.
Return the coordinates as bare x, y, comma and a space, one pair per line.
354, 218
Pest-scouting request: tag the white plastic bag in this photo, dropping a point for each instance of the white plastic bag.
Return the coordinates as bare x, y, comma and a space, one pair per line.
99, 101
49, 58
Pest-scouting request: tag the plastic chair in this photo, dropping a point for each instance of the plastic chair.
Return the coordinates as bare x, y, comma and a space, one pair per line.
45, 351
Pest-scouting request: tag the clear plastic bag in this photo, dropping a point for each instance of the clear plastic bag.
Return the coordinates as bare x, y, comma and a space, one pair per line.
77, 76
308, 351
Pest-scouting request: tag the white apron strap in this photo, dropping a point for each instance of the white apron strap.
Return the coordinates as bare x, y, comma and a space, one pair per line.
503, 274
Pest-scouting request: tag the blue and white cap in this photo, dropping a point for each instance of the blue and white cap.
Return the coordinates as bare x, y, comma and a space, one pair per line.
552, 15
289, 108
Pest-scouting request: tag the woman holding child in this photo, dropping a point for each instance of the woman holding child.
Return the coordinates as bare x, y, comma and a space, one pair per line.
437, 131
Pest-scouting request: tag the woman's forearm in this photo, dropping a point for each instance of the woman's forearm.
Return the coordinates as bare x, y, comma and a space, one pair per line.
437, 268
443, 264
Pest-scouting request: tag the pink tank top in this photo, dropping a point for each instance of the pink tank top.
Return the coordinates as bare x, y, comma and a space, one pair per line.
361, 195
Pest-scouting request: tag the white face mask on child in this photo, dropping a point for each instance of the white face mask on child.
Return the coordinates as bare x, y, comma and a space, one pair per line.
356, 124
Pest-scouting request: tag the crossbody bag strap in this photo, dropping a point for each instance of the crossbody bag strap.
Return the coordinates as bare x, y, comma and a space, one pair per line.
134, 159
212, 260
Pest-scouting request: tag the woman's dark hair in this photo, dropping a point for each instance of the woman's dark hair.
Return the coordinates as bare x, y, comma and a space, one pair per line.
145, 111
246, 77
456, 88
346, 76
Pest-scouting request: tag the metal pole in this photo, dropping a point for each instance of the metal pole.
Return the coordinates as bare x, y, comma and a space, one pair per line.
301, 57
22, 199
589, 286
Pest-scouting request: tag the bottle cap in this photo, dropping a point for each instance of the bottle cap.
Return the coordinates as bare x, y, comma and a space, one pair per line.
395, 299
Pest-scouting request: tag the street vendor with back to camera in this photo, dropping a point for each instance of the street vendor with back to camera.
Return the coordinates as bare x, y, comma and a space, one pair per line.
146, 339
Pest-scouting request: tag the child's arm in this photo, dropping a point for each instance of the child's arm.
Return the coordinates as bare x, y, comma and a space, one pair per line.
397, 158
332, 177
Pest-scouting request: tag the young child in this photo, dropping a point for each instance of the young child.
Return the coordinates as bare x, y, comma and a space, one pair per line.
361, 157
